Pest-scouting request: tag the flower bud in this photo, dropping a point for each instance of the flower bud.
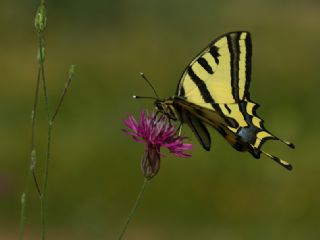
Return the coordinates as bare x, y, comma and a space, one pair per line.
40, 21
150, 164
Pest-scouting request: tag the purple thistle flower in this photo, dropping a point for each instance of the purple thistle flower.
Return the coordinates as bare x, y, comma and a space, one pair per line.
155, 132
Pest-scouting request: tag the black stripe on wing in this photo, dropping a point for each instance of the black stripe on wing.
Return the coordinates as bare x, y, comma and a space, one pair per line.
214, 53
201, 85
234, 49
248, 65
203, 62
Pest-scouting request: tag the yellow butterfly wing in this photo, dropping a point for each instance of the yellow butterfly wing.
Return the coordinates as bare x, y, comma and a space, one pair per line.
218, 81
221, 73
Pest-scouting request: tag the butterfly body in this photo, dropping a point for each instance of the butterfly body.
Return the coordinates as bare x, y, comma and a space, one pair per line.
214, 90
176, 108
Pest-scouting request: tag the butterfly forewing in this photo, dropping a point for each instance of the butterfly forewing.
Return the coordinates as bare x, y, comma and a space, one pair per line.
220, 73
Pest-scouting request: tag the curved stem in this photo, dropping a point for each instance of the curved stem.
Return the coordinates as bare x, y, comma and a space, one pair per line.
134, 207
31, 170
46, 162
48, 155
33, 127
22, 214
40, 25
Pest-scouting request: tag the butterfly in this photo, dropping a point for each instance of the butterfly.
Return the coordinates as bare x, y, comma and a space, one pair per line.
214, 91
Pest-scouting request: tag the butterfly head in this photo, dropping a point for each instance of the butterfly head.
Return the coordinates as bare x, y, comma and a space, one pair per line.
159, 105
166, 107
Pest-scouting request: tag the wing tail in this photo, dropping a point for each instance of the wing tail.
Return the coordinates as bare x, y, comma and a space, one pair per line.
278, 160
289, 144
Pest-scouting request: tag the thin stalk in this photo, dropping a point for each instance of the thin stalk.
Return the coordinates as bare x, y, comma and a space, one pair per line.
46, 162
42, 72
48, 155
65, 90
134, 207
32, 162
33, 129
45, 184
31, 169
50, 125
40, 25
22, 215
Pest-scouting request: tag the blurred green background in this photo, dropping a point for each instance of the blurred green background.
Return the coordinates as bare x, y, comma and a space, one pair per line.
95, 169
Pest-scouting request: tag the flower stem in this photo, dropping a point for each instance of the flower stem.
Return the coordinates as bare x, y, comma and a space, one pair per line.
65, 90
46, 162
134, 207
45, 184
22, 215
31, 170
40, 25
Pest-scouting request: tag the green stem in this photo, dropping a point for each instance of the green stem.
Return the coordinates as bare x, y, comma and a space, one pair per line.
48, 155
33, 129
22, 215
40, 25
31, 169
46, 162
66, 87
45, 184
134, 207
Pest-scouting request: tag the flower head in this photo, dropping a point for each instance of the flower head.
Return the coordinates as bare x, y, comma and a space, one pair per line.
155, 132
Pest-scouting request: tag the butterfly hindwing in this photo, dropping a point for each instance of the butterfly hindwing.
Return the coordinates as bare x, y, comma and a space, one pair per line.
198, 128
196, 116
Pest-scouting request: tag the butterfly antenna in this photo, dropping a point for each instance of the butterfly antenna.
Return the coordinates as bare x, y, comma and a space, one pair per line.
278, 160
140, 97
149, 83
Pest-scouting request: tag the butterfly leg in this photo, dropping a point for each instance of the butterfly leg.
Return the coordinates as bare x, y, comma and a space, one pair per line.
278, 160
156, 114
155, 119
179, 129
